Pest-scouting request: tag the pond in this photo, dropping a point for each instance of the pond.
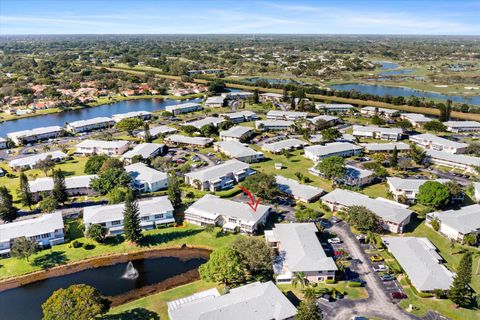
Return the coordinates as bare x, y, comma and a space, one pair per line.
107, 110
24, 303
386, 65
273, 81
403, 91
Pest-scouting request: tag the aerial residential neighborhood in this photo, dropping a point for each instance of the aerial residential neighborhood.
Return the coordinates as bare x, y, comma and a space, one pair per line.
221, 160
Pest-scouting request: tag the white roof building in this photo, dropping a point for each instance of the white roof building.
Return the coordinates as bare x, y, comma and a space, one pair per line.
394, 215
144, 115
462, 126
36, 134
156, 131
145, 150
240, 116
286, 115
268, 125
379, 111
288, 144
334, 107
31, 161
408, 188
146, 179
299, 251
88, 147
226, 213
455, 224
377, 132
325, 118
416, 119
430, 141
421, 262
342, 149
205, 121
183, 108
239, 151
237, 133
193, 141
46, 184
459, 161
216, 101
90, 124
254, 301
299, 191
386, 147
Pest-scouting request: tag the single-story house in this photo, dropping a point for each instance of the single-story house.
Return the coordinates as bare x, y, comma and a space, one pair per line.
458, 161
215, 102
178, 139
299, 250
31, 161
342, 149
280, 146
237, 133
416, 119
215, 121
239, 151
298, 191
455, 224
430, 141
154, 212
75, 186
145, 150
157, 131
110, 148
328, 119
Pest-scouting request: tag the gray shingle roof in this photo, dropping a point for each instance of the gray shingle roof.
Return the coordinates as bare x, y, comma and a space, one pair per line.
100, 214
303, 251
296, 189
254, 301
387, 210
420, 260
143, 149
213, 206
218, 171
464, 220
31, 227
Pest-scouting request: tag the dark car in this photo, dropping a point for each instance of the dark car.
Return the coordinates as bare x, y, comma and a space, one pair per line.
358, 280
398, 295
387, 277
335, 220
326, 298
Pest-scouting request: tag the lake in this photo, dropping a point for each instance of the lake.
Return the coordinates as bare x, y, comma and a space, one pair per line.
24, 303
107, 110
386, 65
402, 91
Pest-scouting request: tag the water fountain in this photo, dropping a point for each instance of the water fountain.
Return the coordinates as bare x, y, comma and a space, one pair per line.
130, 272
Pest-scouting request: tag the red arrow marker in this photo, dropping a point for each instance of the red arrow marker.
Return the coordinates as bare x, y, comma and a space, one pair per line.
252, 203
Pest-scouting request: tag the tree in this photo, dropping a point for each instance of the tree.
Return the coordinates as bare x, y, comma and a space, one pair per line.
455, 189
433, 194
305, 215
362, 219
97, 232
394, 158
94, 163
109, 180
189, 129
435, 126
129, 125
131, 219
111, 163
24, 193
257, 256
330, 134
48, 204
376, 120
299, 278
8, 212
224, 266
262, 185
117, 195
45, 165
174, 191
216, 87
460, 292
147, 136
59, 191
208, 130
417, 154
332, 167
308, 310
77, 302
471, 239
23, 248
256, 98
404, 124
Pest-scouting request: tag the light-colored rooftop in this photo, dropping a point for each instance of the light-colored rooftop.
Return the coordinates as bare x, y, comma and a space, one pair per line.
325, 118
240, 114
428, 137
301, 248
46, 184
417, 117
218, 171
274, 123
333, 106
101, 214
254, 301
410, 184
284, 144
212, 206
236, 132
155, 131
383, 208
181, 106
236, 149
88, 122
177, 138
296, 189
131, 114
389, 146
369, 129
32, 160
31, 227
286, 114
143, 149
34, 132
462, 124
141, 172
464, 220
203, 122
334, 147
215, 100
456, 158
421, 262
102, 144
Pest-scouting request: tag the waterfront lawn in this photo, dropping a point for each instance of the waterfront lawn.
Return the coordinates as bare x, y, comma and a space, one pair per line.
158, 238
156, 303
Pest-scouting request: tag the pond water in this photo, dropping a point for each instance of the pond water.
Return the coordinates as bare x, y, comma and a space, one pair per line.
386, 65
272, 81
24, 303
402, 91
107, 110
396, 72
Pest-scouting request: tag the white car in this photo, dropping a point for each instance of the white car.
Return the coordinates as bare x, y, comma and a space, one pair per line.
380, 268
334, 240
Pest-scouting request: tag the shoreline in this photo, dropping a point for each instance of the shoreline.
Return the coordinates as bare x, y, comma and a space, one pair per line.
99, 104
182, 252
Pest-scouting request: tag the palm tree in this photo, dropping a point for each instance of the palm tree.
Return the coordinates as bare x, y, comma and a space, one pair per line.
309, 293
299, 278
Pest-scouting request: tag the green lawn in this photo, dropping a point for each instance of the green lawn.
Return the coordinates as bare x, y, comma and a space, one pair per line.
158, 238
376, 190
342, 286
156, 303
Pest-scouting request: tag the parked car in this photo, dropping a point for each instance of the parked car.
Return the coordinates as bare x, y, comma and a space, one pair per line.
335, 220
387, 277
380, 268
358, 280
360, 238
398, 295
326, 298
376, 258
334, 240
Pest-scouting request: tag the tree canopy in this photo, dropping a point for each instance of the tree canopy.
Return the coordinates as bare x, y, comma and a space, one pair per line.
94, 163
262, 185
332, 167
433, 194
224, 266
8, 212
257, 256
129, 125
362, 219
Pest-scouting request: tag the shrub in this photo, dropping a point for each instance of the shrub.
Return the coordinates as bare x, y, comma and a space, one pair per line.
88, 246
354, 284
76, 244
330, 281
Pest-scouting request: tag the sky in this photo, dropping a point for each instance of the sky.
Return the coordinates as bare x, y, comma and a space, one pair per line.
437, 17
